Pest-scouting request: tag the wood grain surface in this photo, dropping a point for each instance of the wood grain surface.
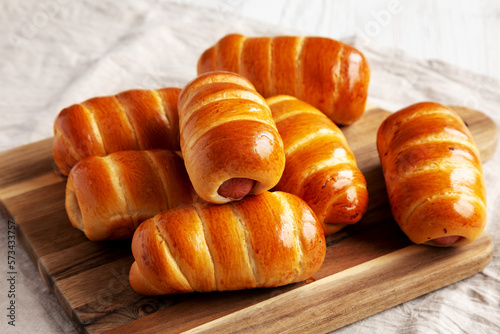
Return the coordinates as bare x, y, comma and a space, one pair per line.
369, 267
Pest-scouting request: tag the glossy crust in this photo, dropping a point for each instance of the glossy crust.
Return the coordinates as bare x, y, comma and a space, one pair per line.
328, 74
108, 197
227, 131
267, 240
433, 174
320, 167
132, 120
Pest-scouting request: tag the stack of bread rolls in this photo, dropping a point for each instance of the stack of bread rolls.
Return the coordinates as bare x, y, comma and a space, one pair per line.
233, 181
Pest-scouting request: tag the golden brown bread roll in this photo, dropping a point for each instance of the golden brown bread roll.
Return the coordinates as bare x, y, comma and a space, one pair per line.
433, 175
228, 138
328, 74
320, 167
132, 120
108, 197
267, 240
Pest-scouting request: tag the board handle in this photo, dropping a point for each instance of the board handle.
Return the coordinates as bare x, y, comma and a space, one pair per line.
483, 129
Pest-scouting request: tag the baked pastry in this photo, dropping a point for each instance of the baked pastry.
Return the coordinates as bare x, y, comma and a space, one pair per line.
229, 141
266, 240
433, 175
320, 167
108, 197
136, 119
328, 74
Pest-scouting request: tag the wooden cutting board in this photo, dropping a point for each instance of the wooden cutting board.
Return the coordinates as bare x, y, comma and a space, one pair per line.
369, 267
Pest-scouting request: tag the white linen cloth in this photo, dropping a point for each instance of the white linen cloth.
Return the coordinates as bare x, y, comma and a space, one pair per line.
55, 53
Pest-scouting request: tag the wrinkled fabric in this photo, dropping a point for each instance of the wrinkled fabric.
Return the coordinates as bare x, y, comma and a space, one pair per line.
56, 53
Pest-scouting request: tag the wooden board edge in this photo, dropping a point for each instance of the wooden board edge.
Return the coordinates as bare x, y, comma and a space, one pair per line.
4, 211
485, 130
51, 283
36, 156
48, 281
20, 235
28, 146
327, 304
